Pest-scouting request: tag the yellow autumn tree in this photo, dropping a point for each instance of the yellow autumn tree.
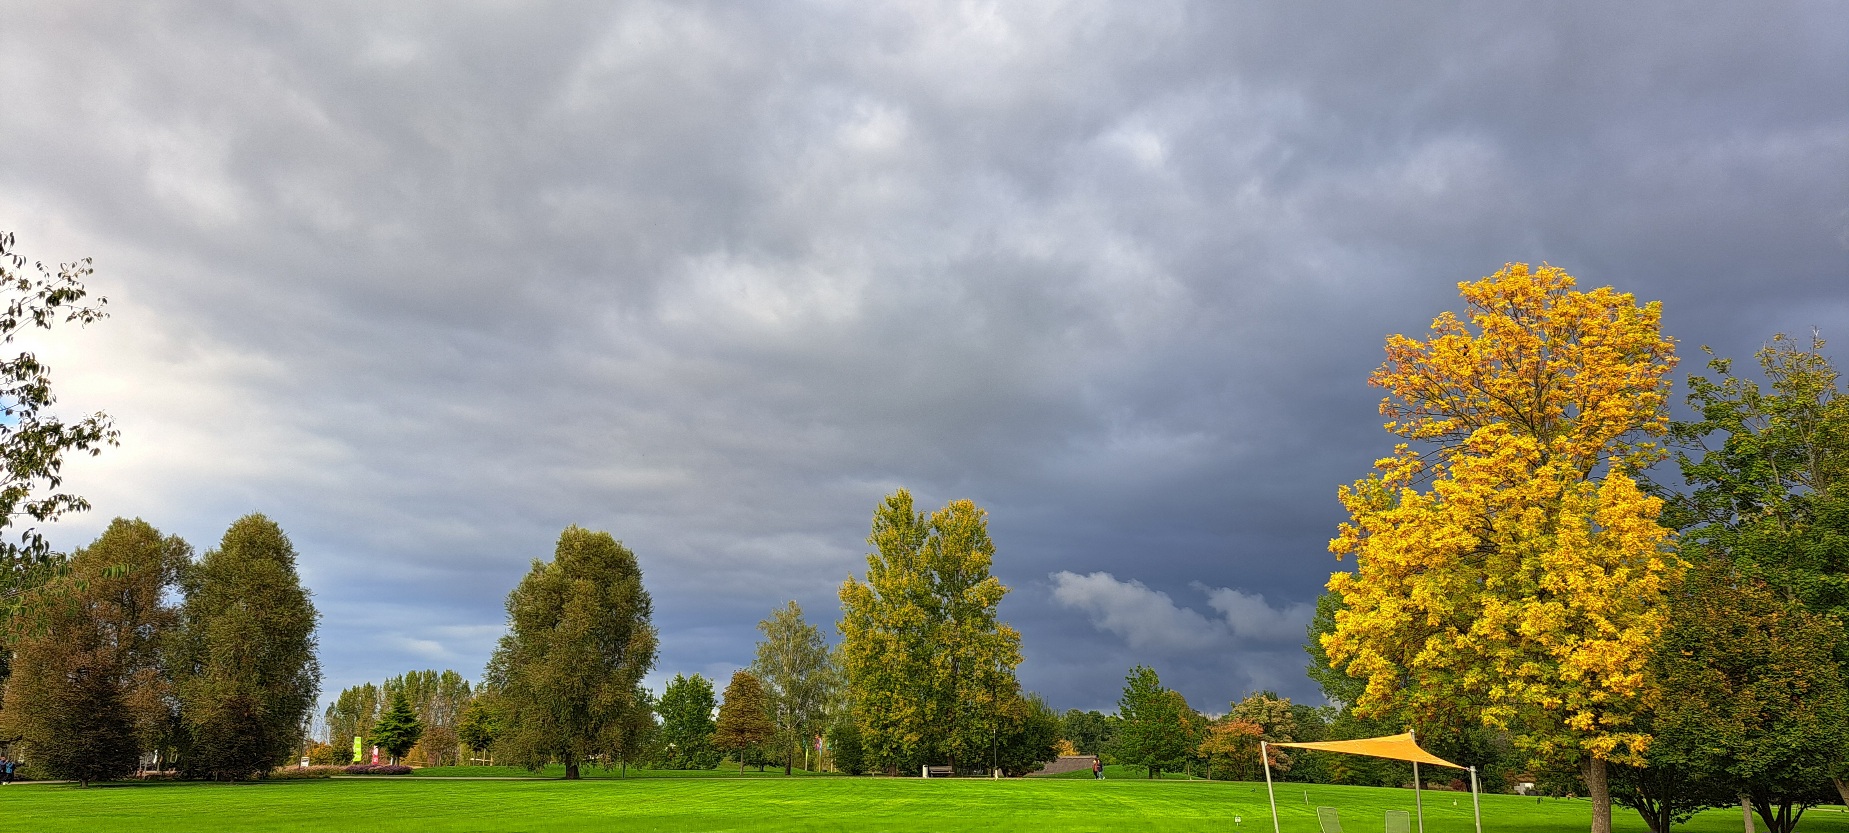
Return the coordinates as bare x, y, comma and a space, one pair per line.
1510, 568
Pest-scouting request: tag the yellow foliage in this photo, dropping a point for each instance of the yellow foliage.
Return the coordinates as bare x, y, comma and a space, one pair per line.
1065, 749
1527, 583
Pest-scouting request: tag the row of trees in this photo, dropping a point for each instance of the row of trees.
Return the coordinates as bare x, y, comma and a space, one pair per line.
1525, 593
426, 710
924, 674
132, 645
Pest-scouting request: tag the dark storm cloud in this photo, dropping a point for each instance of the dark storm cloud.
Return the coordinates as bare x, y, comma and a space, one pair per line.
428, 283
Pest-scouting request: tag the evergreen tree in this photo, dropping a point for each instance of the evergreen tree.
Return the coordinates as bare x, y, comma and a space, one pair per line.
686, 709
578, 643
438, 697
398, 728
744, 719
244, 662
1158, 731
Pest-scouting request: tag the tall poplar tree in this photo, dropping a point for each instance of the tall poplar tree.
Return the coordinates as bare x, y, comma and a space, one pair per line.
89, 690
1512, 567
793, 663
569, 669
244, 663
929, 664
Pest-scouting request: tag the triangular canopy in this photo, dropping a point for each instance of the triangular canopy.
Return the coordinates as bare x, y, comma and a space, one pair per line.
1397, 747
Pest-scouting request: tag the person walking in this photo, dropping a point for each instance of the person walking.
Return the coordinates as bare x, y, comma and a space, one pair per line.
1097, 768
6, 770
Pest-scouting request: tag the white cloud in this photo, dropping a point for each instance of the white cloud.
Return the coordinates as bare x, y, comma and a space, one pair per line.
1149, 619
1145, 618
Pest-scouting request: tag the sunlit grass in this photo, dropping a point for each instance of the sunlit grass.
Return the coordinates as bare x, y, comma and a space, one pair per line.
780, 805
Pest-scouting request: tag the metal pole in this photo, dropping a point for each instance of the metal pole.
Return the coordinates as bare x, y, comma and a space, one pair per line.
1417, 802
1264, 757
1476, 809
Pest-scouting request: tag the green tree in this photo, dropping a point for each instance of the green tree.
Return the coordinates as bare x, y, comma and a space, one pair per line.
844, 745
34, 442
1158, 731
929, 666
352, 714
1091, 732
793, 664
244, 660
686, 709
480, 723
398, 728
638, 736
1769, 467
1027, 733
744, 718
88, 692
438, 697
1750, 698
578, 643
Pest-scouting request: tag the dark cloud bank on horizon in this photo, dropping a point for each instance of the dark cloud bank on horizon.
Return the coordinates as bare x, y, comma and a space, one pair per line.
429, 283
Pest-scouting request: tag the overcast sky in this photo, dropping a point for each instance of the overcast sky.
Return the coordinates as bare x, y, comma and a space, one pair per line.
428, 283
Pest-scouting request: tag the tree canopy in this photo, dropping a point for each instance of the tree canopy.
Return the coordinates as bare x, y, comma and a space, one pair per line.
929, 664
1159, 731
1525, 585
793, 664
398, 728
744, 718
579, 641
686, 707
89, 690
245, 665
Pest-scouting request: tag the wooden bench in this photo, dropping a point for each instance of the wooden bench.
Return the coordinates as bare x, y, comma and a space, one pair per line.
938, 772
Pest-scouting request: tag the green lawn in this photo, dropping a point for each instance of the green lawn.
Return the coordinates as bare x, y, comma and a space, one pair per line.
684, 805
598, 773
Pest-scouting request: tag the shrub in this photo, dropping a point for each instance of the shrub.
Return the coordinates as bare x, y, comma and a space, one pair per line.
376, 769
297, 773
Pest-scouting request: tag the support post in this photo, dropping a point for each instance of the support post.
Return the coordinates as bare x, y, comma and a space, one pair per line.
1418, 803
1264, 757
1476, 809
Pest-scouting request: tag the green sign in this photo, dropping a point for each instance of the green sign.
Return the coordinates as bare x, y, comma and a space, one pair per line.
359, 748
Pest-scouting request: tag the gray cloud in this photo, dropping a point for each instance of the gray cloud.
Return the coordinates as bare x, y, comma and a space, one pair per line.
428, 283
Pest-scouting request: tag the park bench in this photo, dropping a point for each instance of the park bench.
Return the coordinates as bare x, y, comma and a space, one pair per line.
938, 772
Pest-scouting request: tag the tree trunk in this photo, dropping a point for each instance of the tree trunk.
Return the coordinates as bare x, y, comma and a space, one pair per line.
571, 771
1746, 809
1599, 786
1842, 789
788, 756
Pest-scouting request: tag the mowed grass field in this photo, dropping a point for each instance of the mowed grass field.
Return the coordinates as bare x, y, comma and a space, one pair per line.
686, 805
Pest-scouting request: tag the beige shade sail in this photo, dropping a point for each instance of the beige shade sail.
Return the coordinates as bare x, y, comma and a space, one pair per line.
1397, 747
